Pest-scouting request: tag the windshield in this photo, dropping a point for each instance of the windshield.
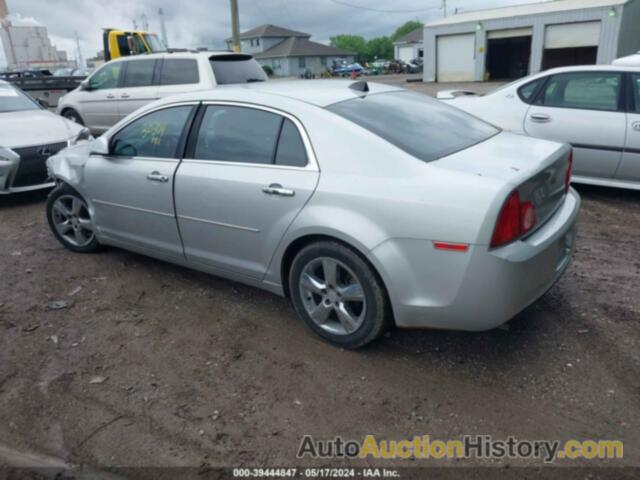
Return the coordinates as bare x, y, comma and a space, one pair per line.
420, 125
236, 69
13, 100
154, 43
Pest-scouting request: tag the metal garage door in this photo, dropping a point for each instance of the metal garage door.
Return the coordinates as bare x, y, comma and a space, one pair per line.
405, 53
456, 58
570, 35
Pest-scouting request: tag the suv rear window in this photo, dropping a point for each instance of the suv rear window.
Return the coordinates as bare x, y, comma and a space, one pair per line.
236, 69
423, 127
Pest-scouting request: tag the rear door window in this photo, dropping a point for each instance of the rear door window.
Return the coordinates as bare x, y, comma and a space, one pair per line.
238, 134
236, 69
291, 151
584, 90
423, 127
179, 71
139, 73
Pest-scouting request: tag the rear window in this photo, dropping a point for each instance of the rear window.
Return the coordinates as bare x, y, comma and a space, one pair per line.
236, 69
179, 71
423, 127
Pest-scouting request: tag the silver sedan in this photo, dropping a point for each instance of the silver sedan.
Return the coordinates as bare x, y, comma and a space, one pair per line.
367, 205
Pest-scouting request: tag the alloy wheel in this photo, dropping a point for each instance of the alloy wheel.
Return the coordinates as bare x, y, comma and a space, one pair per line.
333, 296
72, 220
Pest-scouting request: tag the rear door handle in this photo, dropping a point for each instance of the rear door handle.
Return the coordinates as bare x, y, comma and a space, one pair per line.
157, 177
636, 126
110, 96
540, 117
277, 189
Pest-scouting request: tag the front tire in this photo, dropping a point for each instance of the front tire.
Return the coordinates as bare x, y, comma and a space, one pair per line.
338, 295
70, 221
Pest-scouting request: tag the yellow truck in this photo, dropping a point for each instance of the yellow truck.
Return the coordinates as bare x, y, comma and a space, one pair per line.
122, 43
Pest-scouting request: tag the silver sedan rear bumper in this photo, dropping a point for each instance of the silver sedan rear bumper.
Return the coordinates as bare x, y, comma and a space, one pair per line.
481, 288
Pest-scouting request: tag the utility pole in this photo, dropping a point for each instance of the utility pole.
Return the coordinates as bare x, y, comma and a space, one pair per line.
444, 7
235, 27
163, 28
145, 22
81, 63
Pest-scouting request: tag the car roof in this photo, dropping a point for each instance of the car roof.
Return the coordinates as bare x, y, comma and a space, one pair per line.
320, 93
177, 54
587, 68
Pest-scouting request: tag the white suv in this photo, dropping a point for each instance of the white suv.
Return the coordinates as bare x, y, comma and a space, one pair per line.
122, 86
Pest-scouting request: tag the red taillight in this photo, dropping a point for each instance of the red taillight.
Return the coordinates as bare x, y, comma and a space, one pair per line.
567, 174
515, 219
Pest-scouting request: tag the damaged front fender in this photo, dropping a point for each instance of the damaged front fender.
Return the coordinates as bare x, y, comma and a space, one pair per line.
68, 165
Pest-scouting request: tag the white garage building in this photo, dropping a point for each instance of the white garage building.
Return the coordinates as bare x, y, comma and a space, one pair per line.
409, 47
511, 42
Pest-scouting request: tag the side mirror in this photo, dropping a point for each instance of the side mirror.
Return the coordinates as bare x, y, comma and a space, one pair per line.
100, 146
43, 103
85, 85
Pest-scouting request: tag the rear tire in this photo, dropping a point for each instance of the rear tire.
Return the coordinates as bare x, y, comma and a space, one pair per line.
70, 221
72, 115
338, 295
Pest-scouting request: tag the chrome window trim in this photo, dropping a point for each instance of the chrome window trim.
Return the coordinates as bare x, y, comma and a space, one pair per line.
312, 162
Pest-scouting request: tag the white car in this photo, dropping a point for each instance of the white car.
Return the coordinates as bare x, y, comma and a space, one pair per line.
122, 86
29, 135
594, 108
628, 61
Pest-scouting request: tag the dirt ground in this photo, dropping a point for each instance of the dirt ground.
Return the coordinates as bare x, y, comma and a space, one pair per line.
150, 364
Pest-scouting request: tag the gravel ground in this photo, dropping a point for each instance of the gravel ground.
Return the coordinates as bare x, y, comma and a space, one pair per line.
150, 364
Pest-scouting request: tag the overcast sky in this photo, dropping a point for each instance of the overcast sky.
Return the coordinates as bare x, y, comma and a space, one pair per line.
194, 23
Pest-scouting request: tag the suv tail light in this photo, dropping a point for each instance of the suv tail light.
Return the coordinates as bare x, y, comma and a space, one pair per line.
515, 219
567, 175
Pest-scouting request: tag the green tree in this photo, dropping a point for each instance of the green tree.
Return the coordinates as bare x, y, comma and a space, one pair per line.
379, 47
353, 43
408, 27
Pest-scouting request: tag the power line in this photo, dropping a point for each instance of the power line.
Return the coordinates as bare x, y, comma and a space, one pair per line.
379, 10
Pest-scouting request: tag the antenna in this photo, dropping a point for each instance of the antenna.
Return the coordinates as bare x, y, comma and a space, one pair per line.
361, 86
145, 22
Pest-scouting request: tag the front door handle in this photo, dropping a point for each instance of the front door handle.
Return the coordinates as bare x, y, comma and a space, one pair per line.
124, 95
157, 177
277, 189
540, 117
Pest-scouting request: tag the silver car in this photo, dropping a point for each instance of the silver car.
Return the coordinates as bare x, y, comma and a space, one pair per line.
29, 134
367, 205
595, 108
